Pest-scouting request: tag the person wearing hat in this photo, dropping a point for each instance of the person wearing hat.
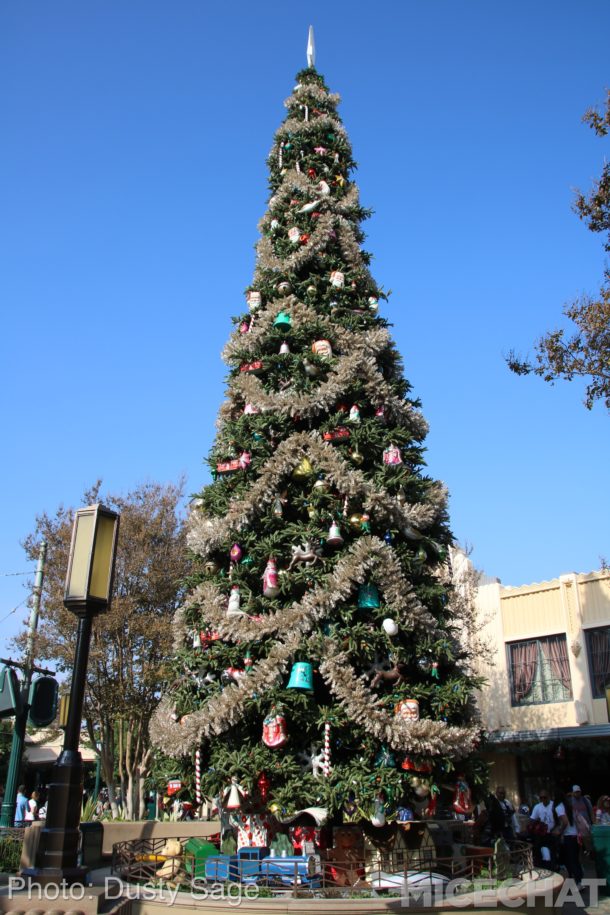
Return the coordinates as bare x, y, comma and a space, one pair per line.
583, 816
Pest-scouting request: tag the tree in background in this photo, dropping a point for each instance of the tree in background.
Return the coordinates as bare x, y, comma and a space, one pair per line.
318, 657
131, 642
585, 354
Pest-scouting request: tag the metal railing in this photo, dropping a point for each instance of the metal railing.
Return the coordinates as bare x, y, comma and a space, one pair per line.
11, 843
143, 861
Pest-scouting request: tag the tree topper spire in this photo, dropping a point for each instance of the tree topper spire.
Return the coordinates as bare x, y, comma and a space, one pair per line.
311, 49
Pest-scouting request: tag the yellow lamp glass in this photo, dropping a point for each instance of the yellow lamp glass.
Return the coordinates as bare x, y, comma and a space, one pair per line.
82, 545
92, 555
103, 557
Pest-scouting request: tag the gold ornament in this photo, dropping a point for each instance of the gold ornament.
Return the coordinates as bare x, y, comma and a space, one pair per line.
356, 457
355, 520
302, 470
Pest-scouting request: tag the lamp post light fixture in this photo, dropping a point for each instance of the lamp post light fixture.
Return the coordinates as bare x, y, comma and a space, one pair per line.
88, 592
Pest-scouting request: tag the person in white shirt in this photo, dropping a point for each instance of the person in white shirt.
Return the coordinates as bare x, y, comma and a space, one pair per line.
569, 837
541, 826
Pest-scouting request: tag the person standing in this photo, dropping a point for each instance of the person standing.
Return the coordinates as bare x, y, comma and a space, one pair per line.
21, 806
541, 826
501, 815
566, 830
31, 813
602, 811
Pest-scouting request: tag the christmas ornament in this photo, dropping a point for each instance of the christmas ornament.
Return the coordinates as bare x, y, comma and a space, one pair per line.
304, 238
380, 414
311, 290
368, 597
321, 483
250, 409
174, 785
354, 414
253, 368
275, 733
407, 709
404, 815
311, 370
308, 207
390, 627
284, 287
263, 784
248, 662
303, 469
207, 636
385, 758
337, 279
278, 508
340, 434
196, 640
234, 673
326, 766
233, 608
340, 180
198, 797
284, 349
283, 320
356, 456
270, 581
434, 671
373, 304
254, 300
366, 523
301, 676
294, 234
274, 225
355, 521
378, 817
244, 460
324, 188
308, 553
244, 327
311, 173
322, 348
334, 535
395, 676
233, 796
235, 553
388, 537
321, 150
392, 456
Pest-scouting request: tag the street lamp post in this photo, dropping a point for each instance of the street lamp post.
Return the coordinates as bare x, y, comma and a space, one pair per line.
88, 592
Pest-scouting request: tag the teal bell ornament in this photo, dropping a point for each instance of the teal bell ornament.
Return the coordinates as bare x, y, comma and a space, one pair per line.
283, 320
301, 676
368, 597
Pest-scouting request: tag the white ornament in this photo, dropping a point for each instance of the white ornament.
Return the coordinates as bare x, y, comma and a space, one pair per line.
324, 188
254, 300
308, 207
294, 234
233, 608
354, 414
390, 627
322, 348
373, 304
337, 279
284, 349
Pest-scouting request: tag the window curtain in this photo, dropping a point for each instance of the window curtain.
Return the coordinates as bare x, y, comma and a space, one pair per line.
556, 652
599, 641
524, 662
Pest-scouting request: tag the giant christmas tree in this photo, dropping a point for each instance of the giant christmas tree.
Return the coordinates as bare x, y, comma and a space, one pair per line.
318, 657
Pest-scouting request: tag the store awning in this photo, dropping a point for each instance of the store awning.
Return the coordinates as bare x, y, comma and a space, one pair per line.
552, 734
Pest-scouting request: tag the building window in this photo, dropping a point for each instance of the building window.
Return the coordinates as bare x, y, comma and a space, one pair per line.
539, 671
598, 649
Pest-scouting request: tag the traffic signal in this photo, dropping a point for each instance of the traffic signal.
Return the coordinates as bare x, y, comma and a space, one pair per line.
10, 693
43, 701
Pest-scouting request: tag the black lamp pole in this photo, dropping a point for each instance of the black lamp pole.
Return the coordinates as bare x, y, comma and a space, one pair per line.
88, 590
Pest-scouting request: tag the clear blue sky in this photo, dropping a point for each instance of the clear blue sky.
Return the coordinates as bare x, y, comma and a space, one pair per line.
132, 177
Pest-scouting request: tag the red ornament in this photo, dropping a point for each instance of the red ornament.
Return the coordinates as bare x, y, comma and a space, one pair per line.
263, 784
311, 172
315, 215
304, 238
340, 434
253, 367
173, 787
275, 732
462, 798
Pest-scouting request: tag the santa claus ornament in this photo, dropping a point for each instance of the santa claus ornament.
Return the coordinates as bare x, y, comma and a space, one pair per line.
275, 732
270, 580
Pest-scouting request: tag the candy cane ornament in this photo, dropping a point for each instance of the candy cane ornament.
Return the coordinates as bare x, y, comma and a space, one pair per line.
326, 764
198, 798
